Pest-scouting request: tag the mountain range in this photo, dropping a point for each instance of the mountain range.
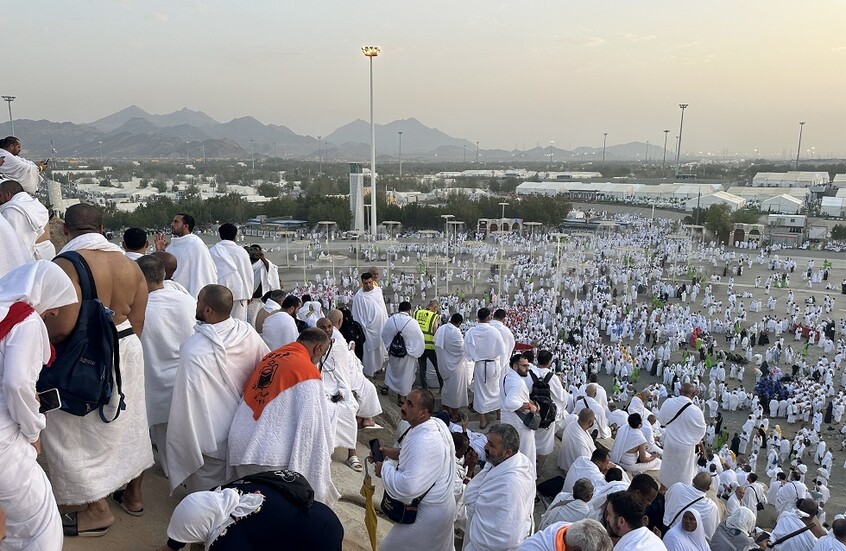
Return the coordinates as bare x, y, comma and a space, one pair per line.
133, 133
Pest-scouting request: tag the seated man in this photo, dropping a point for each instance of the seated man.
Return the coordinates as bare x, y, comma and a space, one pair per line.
593, 468
29, 219
283, 419
586, 534
569, 507
629, 450
280, 328
798, 528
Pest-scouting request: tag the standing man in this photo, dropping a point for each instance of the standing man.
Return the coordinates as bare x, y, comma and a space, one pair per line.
265, 279
500, 499
399, 376
168, 322
214, 364
283, 420
369, 310
545, 438
516, 404
89, 459
483, 345
498, 322
429, 320
27, 294
195, 267
425, 467
449, 346
15, 167
135, 243
684, 427
28, 217
234, 269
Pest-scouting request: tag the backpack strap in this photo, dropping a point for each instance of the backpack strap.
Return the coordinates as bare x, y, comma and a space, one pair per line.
535, 379
548, 377
683, 509
89, 292
679, 412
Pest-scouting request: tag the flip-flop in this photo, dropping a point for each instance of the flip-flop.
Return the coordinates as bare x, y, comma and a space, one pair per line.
70, 527
117, 497
354, 464
374, 426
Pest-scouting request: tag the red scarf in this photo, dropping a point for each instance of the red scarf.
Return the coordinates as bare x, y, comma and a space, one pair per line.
18, 312
276, 372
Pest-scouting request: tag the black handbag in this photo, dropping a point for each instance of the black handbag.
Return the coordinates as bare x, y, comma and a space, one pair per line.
400, 512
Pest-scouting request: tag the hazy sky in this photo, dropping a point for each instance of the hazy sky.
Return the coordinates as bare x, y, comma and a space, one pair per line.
507, 73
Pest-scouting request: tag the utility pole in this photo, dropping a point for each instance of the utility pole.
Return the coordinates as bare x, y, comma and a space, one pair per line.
664, 160
798, 147
9, 100
604, 140
682, 106
400, 152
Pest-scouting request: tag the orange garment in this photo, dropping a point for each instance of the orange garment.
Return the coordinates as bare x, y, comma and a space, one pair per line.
278, 371
560, 544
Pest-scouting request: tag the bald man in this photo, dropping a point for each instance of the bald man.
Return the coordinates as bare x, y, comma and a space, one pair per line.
684, 427
214, 364
170, 265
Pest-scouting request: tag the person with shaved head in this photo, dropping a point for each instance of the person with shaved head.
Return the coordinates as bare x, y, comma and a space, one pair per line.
214, 364
684, 428
170, 265
682, 496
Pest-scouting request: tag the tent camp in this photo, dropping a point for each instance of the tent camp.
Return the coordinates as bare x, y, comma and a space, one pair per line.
784, 204
717, 198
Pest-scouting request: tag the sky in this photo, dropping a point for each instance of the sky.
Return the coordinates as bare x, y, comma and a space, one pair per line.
509, 74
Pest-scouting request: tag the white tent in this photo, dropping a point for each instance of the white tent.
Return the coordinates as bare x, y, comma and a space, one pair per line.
790, 179
839, 181
763, 193
719, 197
833, 206
784, 204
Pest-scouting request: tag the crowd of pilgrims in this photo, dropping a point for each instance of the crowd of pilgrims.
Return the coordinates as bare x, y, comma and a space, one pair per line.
651, 312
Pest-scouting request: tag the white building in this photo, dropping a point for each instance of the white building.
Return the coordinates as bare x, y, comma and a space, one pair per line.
790, 179
717, 198
761, 194
833, 206
839, 180
784, 204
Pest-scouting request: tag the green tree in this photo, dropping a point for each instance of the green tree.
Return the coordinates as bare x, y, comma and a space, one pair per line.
718, 221
838, 232
745, 216
266, 189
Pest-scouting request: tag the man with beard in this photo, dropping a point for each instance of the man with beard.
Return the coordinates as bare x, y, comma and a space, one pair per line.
369, 310
624, 520
516, 404
195, 268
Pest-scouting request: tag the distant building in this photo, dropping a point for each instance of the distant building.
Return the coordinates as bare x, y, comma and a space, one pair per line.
787, 229
782, 204
790, 179
717, 198
761, 194
834, 207
357, 197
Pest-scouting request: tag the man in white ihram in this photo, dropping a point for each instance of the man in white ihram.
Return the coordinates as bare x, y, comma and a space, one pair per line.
169, 321
498, 321
280, 327
194, 265
425, 466
214, 365
369, 310
682, 496
516, 404
575, 440
234, 269
399, 376
499, 501
15, 167
28, 217
684, 427
483, 345
449, 349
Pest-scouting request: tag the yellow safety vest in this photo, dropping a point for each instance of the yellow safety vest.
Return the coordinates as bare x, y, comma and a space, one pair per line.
426, 320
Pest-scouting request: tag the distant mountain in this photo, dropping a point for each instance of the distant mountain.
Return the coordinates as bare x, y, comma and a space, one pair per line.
417, 138
183, 116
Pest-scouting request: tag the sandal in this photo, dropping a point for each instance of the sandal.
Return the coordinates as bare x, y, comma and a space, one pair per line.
117, 497
354, 464
70, 527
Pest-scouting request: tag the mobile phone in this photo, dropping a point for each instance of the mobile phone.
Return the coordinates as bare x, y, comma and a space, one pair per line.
375, 450
49, 400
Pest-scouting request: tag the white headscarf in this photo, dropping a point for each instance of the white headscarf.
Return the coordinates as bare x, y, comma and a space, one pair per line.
39, 283
679, 539
202, 516
743, 520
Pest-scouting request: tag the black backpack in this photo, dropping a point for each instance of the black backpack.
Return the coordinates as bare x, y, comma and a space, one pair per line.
86, 370
397, 348
352, 331
542, 396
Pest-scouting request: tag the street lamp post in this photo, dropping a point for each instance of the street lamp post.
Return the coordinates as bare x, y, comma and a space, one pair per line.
604, 140
9, 100
370, 52
799, 147
664, 160
400, 152
252, 156
101, 152
682, 106
446, 218
319, 157
477, 152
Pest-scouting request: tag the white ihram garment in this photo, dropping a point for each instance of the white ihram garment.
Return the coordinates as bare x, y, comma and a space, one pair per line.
427, 461
279, 329
214, 365
235, 272
449, 349
194, 265
14, 253
508, 340
575, 443
499, 504
399, 376
683, 496
24, 171
334, 370
365, 391
679, 440
545, 438
484, 347
29, 218
369, 310
515, 393
32, 518
641, 539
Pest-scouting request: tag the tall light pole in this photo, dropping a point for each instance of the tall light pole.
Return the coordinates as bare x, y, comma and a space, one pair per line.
319, 157
9, 100
604, 141
799, 147
187, 156
400, 152
252, 155
477, 152
646, 159
664, 160
370, 52
682, 106
101, 152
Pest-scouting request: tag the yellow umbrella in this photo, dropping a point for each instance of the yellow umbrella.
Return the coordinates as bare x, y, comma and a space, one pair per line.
367, 490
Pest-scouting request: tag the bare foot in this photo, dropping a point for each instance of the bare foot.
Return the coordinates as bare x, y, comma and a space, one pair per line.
96, 515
